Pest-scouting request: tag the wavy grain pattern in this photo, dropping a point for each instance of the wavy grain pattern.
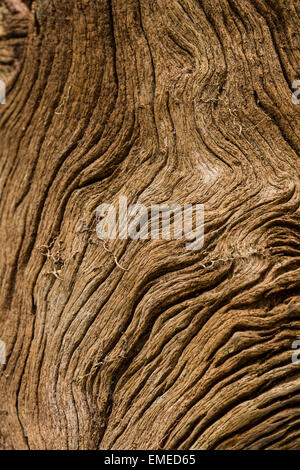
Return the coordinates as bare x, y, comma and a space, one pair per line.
178, 101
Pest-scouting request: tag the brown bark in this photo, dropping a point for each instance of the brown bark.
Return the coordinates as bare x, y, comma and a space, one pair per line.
178, 101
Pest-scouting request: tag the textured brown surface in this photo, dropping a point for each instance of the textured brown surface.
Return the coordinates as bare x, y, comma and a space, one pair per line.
162, 101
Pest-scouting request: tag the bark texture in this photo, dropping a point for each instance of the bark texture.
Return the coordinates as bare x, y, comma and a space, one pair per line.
174, 101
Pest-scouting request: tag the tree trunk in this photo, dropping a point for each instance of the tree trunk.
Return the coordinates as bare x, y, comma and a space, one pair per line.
143, 344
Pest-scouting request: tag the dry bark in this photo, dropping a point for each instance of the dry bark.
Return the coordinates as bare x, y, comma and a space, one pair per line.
185, 101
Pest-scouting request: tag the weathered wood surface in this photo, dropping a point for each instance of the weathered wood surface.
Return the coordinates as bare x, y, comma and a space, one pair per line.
162, 101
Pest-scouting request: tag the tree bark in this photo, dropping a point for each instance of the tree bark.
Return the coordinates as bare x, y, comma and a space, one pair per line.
141, 344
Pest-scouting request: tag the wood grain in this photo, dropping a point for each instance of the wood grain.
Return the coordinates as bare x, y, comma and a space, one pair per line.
178, 101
